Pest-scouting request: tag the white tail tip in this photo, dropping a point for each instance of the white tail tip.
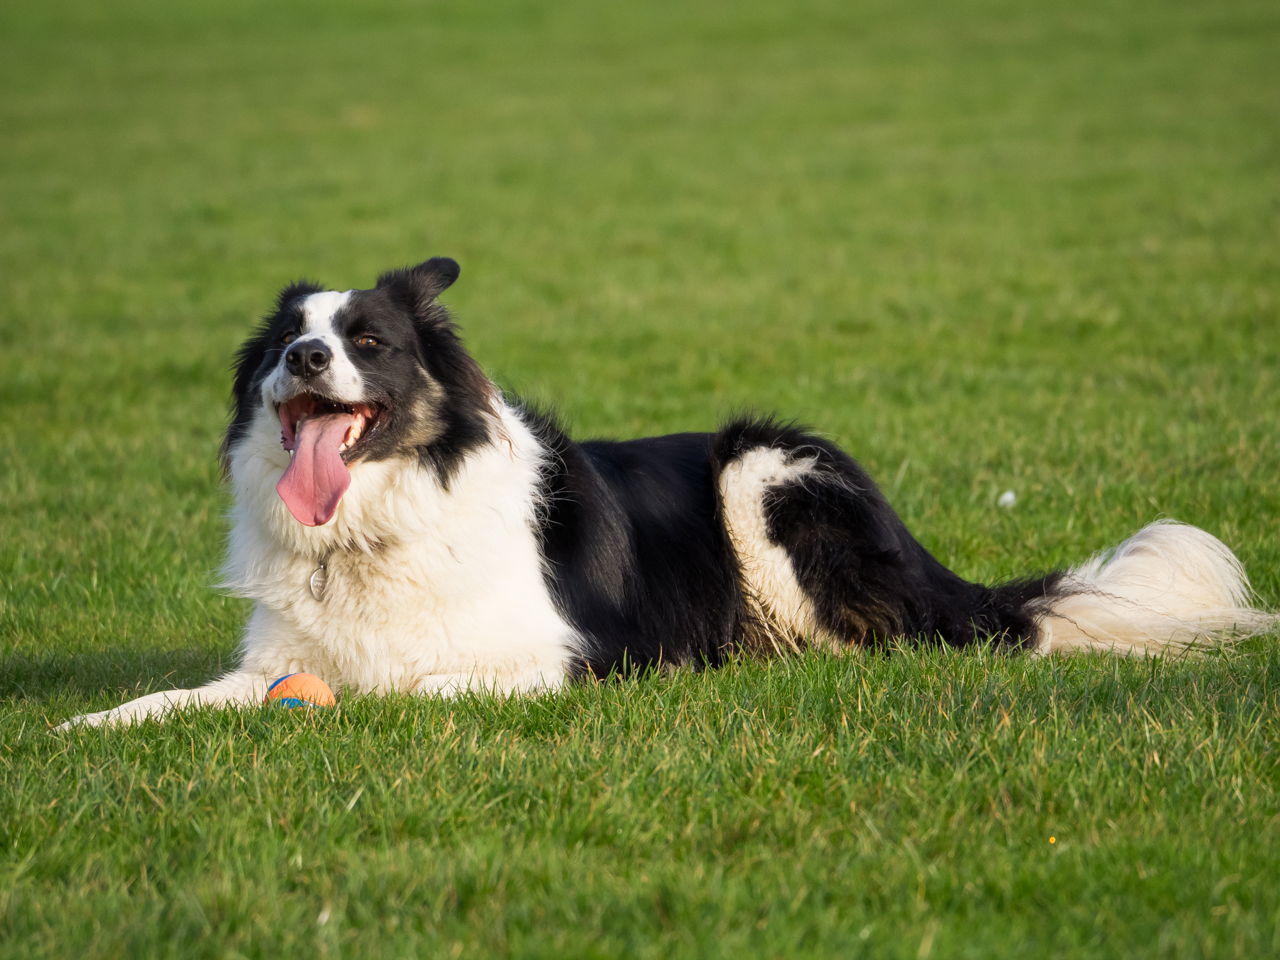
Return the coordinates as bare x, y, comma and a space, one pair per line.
1171, 587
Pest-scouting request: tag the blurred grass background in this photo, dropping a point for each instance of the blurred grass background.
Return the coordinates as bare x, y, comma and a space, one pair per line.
985, 246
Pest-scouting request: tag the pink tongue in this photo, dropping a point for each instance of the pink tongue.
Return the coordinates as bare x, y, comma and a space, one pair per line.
316, 478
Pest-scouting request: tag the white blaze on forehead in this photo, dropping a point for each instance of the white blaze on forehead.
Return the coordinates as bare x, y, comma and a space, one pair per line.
318, 311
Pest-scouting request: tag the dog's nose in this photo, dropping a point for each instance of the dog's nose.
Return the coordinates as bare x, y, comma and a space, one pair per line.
307, 359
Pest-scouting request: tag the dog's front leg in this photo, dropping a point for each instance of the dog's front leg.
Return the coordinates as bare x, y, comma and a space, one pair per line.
239, 687
271, 648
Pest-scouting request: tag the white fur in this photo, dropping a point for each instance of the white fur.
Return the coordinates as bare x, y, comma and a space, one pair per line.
427, 590
1169, 587
766, 567
239, 687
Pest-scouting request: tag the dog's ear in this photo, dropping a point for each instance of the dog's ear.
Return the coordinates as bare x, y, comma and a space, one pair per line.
418, 286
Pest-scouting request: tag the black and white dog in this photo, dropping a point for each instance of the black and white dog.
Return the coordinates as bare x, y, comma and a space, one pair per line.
403, 526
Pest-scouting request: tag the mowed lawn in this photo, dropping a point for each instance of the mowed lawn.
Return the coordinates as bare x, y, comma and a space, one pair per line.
986, 246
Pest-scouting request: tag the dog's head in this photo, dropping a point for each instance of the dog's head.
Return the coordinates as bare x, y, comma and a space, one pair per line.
359, 376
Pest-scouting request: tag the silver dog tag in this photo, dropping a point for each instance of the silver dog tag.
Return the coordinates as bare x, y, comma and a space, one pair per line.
319, 580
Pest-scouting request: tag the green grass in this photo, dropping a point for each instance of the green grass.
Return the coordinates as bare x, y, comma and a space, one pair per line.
985, 246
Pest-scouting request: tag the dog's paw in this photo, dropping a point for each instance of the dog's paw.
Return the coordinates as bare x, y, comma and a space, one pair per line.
121, 716
101, 718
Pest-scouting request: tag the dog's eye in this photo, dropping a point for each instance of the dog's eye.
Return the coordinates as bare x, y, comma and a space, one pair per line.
289, 337
364, 340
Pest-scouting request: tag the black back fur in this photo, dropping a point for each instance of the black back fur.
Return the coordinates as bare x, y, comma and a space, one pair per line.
639, 560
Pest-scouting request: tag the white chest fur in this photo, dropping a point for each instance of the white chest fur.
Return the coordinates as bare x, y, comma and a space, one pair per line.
425, 588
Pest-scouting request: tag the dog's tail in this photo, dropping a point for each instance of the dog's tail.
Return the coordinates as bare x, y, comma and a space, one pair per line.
1169, 588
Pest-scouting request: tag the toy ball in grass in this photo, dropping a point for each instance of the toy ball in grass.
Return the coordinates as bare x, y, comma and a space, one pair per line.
300, 690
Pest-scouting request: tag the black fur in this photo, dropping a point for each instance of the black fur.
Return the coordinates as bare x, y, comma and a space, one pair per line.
636, 554
417, 287
641, 565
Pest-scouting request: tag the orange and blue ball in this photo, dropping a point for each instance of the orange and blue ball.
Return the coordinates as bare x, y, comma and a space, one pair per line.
300, 690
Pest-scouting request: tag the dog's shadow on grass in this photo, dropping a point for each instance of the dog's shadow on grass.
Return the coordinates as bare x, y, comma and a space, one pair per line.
114, 674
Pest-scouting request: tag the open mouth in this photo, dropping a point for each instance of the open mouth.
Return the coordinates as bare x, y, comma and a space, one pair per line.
347, 423
322, 437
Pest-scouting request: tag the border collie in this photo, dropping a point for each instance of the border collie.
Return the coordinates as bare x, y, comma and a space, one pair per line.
402, 525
